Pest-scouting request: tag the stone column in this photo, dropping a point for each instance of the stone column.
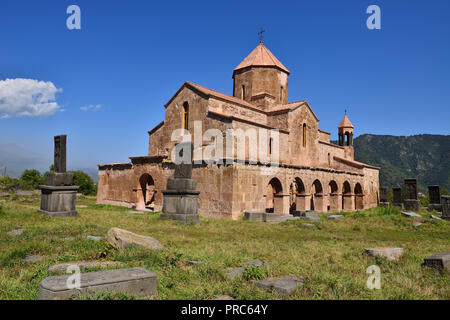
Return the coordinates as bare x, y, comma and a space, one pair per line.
319, 203
58, 195
349, 202
300, 202
180, 200
411, 198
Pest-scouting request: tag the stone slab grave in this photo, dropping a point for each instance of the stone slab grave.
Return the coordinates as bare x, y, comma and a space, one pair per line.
445, 201
94, 238
439, 261
389, 253
180, 199
384, 191
282, 285
435, 217
32, 258
139, 282
411, 214
267, 217
411, 195
62, 267
308, 215
58, 195
120, 239
434, 194
335, 217
397, 193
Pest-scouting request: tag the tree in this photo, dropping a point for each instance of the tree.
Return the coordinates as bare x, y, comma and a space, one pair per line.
31, 179
86, 184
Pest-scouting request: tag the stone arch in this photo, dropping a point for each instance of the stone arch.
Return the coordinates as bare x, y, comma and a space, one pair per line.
316, 202
300, 195
347, 196
333, 196
274, 196
146, 191
359, 197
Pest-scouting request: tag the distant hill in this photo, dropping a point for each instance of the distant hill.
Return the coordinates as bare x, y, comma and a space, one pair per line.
425, 157
16, 159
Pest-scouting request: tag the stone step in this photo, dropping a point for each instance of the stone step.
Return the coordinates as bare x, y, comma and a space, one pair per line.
139, 282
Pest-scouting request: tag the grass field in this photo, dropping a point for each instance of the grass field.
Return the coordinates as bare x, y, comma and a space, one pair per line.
329, 255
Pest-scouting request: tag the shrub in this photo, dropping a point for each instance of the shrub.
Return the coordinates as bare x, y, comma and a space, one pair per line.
31, 179
86, 184
255, 273
8, 184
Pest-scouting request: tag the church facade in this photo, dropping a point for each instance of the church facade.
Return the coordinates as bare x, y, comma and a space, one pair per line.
311, 173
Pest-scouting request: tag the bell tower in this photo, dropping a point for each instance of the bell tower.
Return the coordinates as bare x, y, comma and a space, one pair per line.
261, 79
345, 133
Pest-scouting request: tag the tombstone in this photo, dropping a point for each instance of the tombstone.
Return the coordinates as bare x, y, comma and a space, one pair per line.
397, 192
181, 197
434, 194
411, 199
384, 202
445, 202
59, 194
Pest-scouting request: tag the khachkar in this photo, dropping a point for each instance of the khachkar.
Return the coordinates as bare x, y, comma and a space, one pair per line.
181, 197
445, 202
59, 194
397, 192
411, 199
384, 202
434, 194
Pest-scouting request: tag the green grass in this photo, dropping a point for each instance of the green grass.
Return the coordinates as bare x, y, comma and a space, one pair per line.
328, 255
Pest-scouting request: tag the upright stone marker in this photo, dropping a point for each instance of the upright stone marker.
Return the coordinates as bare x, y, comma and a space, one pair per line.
411, 199
384, 202
181, 199
397, 197
59, 194
434, 194
445, 201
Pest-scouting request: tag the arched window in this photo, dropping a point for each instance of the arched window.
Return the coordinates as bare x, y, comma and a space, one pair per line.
243, 92
270, 145
186, 116
304, 135
281, 94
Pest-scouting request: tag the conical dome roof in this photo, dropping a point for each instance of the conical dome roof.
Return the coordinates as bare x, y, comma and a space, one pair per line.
345, 123
261, 57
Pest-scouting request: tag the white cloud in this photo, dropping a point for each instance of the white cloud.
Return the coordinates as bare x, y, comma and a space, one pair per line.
91, 107
27, 98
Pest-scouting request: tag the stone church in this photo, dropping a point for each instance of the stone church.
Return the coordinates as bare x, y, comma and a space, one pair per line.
313, 173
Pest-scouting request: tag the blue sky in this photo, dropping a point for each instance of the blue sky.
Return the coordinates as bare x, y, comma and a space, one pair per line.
130, 57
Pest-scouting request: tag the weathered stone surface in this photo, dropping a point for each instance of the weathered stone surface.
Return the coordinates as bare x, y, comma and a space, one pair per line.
83, 265
416, 224
397, 192
59, 179
32, 258
58, 201
23, 193
94, 238
389, 253
310, 215
254, 216
225, 297
282, 285
194, 262
15, 233
445, 201
257, 263
439, 260
411, 214
4, 194
60, 152
68, 239
134, 281
434, 194
335, 217
411, 189
235, 272
435, 217
121, 239
412, 204
384, 194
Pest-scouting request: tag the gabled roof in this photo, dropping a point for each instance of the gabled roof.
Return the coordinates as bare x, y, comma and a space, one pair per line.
261, 57
345, 123
282, 108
